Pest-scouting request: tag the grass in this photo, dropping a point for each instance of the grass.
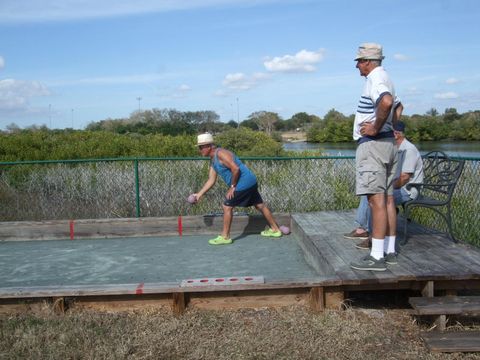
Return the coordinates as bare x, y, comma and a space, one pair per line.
287, 333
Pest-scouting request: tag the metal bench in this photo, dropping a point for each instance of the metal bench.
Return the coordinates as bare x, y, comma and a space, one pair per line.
441, 175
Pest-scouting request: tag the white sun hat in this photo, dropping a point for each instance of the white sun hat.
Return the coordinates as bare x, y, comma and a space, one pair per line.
204, 139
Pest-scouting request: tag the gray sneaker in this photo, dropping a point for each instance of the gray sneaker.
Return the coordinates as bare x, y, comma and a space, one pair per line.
369, 263
391, 259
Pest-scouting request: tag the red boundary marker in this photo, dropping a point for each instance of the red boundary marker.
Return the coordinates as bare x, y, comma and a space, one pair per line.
180, 227
139, 289
72, 233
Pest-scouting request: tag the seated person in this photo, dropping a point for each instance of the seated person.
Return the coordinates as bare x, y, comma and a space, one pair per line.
409, 170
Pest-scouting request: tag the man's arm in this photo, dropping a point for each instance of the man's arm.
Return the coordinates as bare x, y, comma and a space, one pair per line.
402, 180
397, 114
212, 178
382, 113
226, 158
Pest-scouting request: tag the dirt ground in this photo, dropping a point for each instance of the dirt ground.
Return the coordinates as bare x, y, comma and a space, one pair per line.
286, 333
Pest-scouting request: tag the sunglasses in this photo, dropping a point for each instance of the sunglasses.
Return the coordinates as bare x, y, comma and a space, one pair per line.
201, 147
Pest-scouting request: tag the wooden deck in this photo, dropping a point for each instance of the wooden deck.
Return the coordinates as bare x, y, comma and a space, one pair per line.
429, 263
428, 255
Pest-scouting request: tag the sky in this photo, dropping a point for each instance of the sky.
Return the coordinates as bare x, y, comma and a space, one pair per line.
67, 63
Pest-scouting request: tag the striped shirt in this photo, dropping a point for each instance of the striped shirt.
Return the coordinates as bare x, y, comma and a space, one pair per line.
377, 85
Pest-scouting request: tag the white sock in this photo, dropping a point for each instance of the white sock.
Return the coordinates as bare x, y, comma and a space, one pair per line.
377, 248
390, 244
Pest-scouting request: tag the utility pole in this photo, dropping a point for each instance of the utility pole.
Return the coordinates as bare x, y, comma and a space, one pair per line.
238, 114
139, 99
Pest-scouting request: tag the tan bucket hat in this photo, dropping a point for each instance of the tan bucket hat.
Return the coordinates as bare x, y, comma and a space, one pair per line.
370, 51
204, 139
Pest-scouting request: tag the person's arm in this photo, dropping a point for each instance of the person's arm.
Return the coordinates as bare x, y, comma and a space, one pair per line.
382, 113
226, 158
397, 114
402, 180
212, 178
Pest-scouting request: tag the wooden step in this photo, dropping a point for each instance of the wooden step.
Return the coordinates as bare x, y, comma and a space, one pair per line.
446, 305
462, 341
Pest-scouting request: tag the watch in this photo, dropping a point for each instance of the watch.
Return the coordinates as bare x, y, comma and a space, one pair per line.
232, 186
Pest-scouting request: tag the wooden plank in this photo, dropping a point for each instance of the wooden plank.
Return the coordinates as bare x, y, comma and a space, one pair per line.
178, 303
317, 299
249, 299
428, 289
458, 258
329, 255
446, 305
314, 257
130, 227
461, 341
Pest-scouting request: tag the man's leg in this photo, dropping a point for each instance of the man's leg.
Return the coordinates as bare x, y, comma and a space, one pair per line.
268, 216
378, 206
227, 221
390, 238
362, 218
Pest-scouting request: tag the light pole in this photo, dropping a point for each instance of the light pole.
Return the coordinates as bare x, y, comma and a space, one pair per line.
139, 99
72, 118
50, 115
238, 114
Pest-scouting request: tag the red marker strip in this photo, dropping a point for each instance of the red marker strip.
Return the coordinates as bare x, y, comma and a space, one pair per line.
180, 227
71, 230
139, 289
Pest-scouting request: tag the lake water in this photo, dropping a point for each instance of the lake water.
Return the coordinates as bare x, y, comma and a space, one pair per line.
470, 149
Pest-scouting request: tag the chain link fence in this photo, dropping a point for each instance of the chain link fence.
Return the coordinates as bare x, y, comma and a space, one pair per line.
118, 188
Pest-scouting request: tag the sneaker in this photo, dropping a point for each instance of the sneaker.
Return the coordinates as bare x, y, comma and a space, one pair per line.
370, 263
391, 259
270, 233
365, 244
354, 235
220, 240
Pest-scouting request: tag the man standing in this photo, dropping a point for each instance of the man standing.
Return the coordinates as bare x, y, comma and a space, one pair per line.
409, 171
375, 157
242, 191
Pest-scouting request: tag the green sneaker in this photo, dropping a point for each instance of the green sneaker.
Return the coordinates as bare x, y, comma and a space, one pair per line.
220, 240
270, 233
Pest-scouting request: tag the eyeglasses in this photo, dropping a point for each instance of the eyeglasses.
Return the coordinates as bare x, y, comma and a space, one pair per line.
201, 147
361, 61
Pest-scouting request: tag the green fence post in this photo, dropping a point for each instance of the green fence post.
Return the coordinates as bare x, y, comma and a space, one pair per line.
137, 189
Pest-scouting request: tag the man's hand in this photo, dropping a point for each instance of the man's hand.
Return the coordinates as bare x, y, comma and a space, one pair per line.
368, 129
230, 193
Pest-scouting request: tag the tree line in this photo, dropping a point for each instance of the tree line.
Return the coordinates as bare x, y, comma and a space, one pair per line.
169, 132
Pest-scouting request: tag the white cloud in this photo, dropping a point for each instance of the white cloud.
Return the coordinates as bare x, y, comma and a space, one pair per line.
2, 63
401, 57
302, 61
15, 94
446, 95
65, 10
452, 81
184, 88
240, 81
181, 92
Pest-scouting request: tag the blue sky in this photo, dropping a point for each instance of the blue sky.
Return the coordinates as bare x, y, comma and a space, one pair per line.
67, 63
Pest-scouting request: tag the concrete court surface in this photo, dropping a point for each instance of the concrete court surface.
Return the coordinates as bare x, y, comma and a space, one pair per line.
148, 259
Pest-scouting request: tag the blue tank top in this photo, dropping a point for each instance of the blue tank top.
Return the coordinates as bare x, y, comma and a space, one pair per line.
247, 177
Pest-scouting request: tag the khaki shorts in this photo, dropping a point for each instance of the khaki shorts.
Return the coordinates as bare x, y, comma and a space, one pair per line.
376, 163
